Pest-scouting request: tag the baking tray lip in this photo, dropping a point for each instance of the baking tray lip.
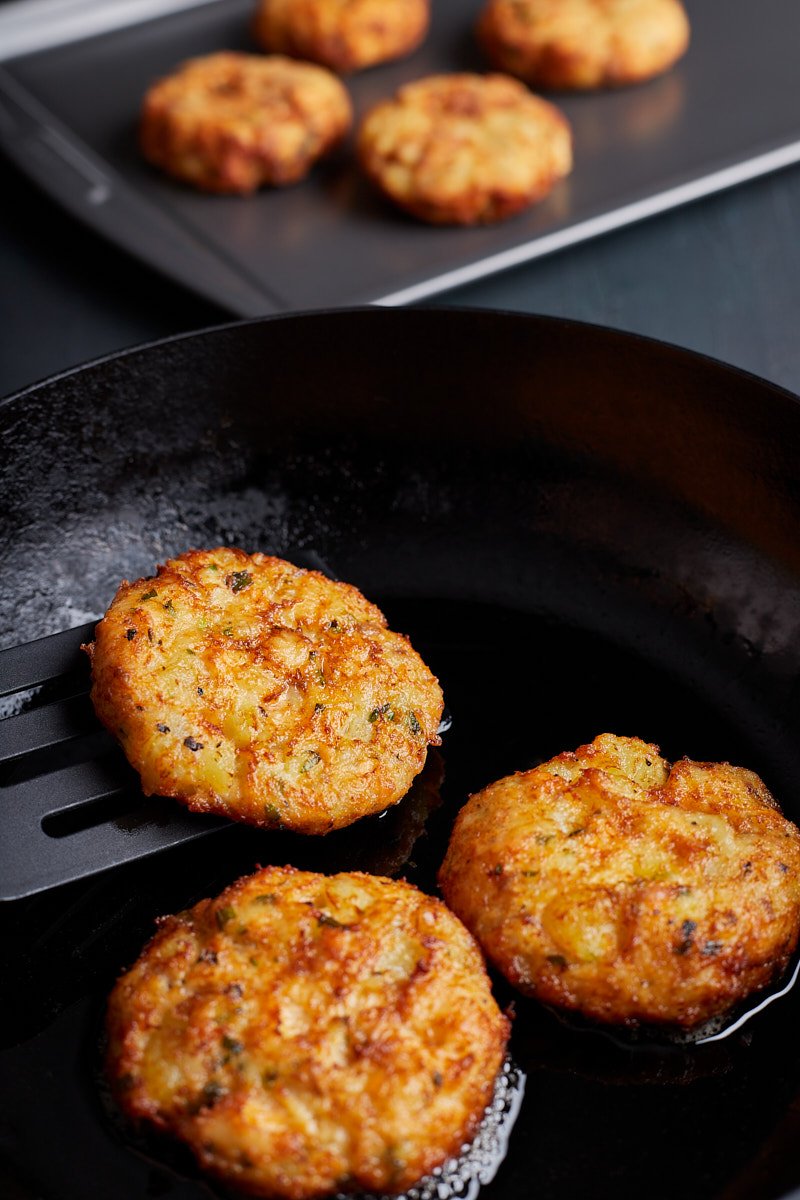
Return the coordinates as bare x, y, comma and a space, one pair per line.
784, 155
27, 26
623, 337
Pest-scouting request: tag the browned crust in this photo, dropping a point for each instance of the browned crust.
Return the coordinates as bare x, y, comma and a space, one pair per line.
232, 123
345, 35
304, 1033
580, 44
242, 685
609, 882
465, 149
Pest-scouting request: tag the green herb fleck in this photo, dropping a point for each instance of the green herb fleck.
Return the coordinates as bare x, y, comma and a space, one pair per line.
272, 816
224, 915
310, 762
239, 580
151, 595
331, 922
265, 898
169, 606
413, 723
383, 710
213, 566
228, 631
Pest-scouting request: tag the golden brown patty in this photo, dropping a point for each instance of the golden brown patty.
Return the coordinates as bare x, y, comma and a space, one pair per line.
305, 1033
608, 882
241, 685
343, 34
583, 43
463, 149
234, 122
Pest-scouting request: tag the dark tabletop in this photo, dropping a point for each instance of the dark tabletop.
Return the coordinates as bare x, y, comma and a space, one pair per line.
721, 276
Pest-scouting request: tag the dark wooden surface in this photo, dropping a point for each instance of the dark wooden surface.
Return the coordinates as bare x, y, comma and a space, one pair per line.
721, 276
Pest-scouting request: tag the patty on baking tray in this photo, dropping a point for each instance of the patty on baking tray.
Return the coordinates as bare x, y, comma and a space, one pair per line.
464, 149
577, 44
345, 35
232, 122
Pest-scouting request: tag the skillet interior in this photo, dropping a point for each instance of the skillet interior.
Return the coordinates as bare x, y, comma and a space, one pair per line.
581, 530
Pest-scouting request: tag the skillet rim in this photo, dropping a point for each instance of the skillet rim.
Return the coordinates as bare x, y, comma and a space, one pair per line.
610, 333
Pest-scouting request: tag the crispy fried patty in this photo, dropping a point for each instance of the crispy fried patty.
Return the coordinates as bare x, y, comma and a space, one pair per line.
304, 1033
242, 685
345, 35
233, 122
583, 43
465, 149
609, 882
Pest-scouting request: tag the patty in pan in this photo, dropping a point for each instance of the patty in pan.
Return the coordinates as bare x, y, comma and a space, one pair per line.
242, 685
608, 882
304, 1033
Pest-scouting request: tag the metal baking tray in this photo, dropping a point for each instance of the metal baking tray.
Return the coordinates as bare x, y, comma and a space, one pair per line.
728, 112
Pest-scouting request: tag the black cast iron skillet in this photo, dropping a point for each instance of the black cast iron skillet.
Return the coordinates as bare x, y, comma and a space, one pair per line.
581, 530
